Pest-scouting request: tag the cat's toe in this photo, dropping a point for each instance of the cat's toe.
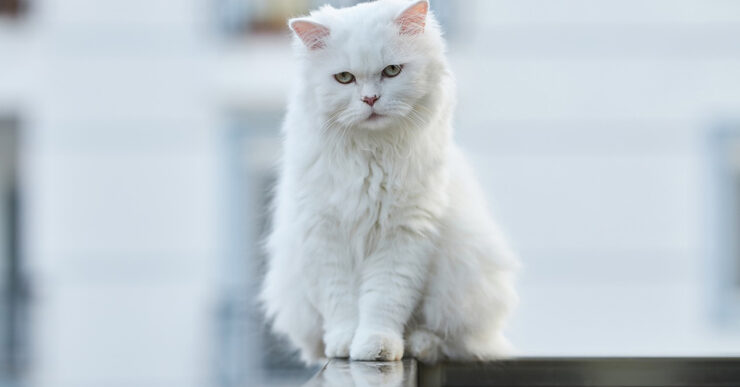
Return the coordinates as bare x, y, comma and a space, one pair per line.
337, 343
376, 346
424, 346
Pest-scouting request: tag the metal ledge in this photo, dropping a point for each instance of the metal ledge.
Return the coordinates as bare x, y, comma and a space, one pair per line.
536, 372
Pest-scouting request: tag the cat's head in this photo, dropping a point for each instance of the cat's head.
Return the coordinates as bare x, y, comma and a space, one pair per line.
371, 65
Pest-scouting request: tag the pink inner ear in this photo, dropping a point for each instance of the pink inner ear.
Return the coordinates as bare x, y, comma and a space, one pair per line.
413, 19
312, 34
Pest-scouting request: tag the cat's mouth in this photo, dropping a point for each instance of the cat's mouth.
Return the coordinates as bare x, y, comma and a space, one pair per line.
374, 116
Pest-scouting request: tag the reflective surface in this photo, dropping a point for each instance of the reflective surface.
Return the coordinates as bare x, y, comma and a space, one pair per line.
597, 372
541, 372
344, 373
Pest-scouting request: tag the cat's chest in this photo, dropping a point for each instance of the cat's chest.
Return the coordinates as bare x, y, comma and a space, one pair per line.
365, 186
367, 179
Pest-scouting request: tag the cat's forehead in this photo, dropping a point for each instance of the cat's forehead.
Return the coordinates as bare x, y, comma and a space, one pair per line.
368, 44
362, 52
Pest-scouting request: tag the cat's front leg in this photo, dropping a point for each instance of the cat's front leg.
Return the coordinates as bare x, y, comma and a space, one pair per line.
392, 283
339, 310
335, 294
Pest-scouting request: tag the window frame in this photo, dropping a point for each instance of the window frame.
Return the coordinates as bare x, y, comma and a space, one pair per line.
723, 229
247, 350
14, 295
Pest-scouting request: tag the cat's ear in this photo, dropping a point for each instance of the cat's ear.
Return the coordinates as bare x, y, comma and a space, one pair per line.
311, 33
414, 18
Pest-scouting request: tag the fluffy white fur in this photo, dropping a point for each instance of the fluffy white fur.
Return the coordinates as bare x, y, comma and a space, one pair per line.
381, 242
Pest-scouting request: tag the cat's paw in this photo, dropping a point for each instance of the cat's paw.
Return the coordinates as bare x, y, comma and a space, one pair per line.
337, 343
376, 346
424, 346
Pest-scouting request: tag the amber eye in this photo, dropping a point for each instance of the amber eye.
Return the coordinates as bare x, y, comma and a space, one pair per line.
344, 77
392, 70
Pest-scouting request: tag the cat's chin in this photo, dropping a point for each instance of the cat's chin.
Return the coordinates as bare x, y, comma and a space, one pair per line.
375, 121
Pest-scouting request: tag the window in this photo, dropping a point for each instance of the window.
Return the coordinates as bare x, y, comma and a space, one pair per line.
239, 17
12, 8
725, 149
12, 288
247, 353
242, 17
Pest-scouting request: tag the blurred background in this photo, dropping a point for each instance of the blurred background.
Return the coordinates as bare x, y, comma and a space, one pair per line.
137, 143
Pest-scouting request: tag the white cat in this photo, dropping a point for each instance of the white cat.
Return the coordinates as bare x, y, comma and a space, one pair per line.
381, 238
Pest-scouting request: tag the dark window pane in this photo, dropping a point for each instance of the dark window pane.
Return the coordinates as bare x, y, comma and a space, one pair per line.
736, 223
12, 8
12, 287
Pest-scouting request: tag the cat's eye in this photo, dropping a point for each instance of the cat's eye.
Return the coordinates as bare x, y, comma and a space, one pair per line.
344, 77
392, 70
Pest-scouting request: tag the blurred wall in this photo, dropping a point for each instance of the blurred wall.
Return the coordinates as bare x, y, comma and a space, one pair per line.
589, 123
119, 188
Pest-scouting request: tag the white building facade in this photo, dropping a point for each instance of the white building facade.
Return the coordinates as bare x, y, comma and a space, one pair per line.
603, 132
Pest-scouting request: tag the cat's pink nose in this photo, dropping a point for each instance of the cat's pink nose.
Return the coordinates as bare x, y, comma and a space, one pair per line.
370, 100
